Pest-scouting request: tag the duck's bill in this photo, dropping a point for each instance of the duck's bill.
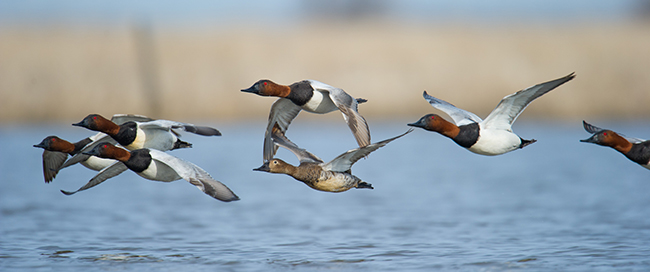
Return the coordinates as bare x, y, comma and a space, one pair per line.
416, 124
80, 124
590, 140
92, 152
263, 168
251, 90
41, 145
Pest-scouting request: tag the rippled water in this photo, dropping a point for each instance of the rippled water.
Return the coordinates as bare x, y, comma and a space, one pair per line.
556, 205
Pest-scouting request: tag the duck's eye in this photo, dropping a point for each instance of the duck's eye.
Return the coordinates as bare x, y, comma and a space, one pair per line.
105, 146
265, 83
604, 133
53, 140
94, 117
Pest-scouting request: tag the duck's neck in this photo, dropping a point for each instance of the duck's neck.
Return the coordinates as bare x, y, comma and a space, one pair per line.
620, 144
109, 128
447, 128
118, 154
63, 146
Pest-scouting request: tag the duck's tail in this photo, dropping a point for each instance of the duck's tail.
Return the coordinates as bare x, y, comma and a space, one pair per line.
526, 142
364, 185
180, 144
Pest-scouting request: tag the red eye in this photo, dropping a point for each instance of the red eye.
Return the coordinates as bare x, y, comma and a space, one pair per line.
105, 146
604, 133
53, 139
265, 83
94, 117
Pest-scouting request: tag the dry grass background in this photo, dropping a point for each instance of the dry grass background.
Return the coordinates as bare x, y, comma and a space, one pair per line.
63, 73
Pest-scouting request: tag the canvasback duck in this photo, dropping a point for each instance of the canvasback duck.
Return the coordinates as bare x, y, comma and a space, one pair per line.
637, 150
156, 134
492, 136
155, 165
311, 96
334, 176
56, 150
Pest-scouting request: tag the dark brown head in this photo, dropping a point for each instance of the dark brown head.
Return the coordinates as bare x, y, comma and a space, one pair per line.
266, 87
53, 143
434, 122
97, 122
609, 138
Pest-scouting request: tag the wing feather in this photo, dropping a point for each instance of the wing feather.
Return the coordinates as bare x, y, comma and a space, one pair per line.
106, 173
460, 116
344, 162
511, 106
282, 113
302, 154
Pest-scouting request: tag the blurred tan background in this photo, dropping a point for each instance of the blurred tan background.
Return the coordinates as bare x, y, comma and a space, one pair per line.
61, 69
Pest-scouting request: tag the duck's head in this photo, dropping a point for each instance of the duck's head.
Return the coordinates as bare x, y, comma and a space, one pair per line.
266, 87
274, 166
53, 143
431, 122
604, 137
95, 122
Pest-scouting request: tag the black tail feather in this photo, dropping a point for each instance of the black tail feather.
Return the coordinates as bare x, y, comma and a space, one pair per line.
180, 144
364, 185
526, 142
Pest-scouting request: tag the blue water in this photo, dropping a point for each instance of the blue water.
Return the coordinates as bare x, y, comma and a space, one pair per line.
557, 205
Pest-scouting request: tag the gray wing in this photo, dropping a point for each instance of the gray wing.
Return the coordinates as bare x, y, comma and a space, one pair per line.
123, 118
106, 173
211, 187
591, 128
52, 161
460, 116
511, 106
345, 161
168, 125
349, 108
282, 113
79, 157
302, 154
196, 176
594, 129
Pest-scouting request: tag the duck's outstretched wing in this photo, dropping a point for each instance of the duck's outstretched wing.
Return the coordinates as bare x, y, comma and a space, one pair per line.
52, 161
196, 176
344, 162
168, 125
106, 173
350, 110
460, 116
123, 118
282, 113
511, 106
302, 154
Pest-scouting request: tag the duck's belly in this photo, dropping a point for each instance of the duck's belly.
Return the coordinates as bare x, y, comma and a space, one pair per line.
495, 142
96, 163
320, 103
159, 172
335, 182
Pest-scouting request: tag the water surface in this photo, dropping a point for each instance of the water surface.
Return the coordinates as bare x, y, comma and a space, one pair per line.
556, 205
